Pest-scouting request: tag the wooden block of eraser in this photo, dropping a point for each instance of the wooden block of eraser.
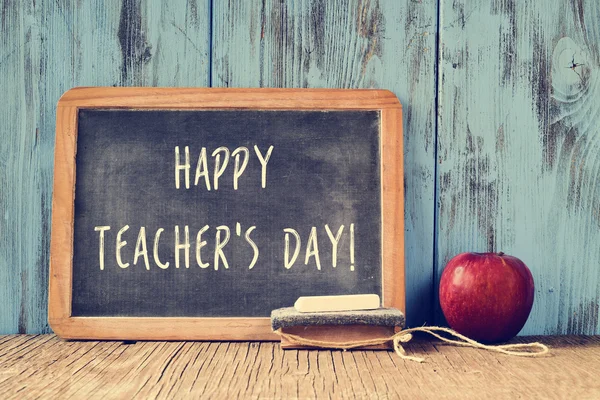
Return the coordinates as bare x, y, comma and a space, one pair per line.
351, 302
340, 326
335, 333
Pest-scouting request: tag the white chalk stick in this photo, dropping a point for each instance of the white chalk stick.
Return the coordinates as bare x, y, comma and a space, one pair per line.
337, 303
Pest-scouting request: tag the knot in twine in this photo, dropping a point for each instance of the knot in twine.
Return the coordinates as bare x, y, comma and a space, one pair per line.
534, 349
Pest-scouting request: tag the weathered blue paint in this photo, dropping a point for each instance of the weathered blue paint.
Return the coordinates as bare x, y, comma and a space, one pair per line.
518, 148
517, 142
46, 48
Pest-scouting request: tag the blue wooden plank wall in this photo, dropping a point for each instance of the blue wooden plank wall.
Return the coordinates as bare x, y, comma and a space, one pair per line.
502, 142
518, 150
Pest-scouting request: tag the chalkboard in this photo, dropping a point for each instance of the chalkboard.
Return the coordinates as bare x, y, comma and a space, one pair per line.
219, 213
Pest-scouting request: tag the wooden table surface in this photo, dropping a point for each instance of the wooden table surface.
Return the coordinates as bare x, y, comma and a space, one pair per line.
44, 366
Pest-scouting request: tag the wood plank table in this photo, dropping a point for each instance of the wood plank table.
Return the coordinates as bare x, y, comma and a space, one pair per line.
44, 366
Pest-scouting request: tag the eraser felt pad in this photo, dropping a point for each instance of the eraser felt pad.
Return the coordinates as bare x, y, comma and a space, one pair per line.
288, 317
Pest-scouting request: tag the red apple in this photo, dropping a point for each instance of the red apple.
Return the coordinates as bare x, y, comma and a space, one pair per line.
486, 296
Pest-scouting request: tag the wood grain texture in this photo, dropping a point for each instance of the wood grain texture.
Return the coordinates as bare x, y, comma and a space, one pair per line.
26, 157
349, 44
232, 98
518, 148
44, 366
46, 48
338, 334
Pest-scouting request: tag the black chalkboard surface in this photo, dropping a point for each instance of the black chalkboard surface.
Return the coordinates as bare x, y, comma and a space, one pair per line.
186, 211
322, 173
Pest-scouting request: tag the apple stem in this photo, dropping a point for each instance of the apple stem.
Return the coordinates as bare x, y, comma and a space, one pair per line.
501, 253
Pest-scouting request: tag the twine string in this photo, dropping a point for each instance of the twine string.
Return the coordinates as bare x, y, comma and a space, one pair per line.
534, 349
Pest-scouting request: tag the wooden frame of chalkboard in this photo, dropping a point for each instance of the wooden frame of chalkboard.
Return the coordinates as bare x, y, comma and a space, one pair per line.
68, 326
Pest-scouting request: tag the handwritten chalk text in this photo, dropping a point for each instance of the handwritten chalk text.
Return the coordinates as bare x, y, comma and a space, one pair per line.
221, 157
187, 247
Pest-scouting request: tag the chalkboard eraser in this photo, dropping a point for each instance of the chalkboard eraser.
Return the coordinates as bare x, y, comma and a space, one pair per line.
336, 326
352, 302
